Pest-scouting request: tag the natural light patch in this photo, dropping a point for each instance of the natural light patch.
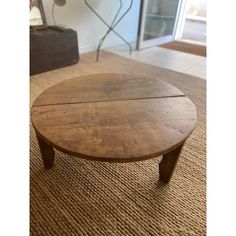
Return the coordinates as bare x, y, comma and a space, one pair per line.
35, 17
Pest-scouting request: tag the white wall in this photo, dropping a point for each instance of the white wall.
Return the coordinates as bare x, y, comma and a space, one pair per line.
76, 15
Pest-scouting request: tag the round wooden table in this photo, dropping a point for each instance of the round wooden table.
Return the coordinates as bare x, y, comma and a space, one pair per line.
114, 118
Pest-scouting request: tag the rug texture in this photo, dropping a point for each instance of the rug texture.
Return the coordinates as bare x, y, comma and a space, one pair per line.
186, 47
81, 197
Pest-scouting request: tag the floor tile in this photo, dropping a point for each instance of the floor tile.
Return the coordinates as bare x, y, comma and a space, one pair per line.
166, 58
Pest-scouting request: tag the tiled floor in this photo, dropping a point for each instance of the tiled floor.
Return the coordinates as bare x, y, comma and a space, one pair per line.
166, 58
195, 30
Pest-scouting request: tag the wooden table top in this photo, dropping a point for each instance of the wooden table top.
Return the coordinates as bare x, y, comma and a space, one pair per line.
113, 117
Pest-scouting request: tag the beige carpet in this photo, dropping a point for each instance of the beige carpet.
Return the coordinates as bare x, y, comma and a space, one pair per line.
79, 197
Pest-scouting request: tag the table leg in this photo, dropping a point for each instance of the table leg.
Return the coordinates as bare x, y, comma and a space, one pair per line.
47, 153
111, 27
168, 163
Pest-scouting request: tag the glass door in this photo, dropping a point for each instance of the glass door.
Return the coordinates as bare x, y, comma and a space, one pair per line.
158, 22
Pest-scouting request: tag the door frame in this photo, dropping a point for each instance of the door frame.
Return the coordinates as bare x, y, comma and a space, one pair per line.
177, 32
181, 20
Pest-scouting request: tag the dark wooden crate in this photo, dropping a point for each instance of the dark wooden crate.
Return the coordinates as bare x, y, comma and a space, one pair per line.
52, 49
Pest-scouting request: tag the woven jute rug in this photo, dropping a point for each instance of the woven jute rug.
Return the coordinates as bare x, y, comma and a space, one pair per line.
81, 197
